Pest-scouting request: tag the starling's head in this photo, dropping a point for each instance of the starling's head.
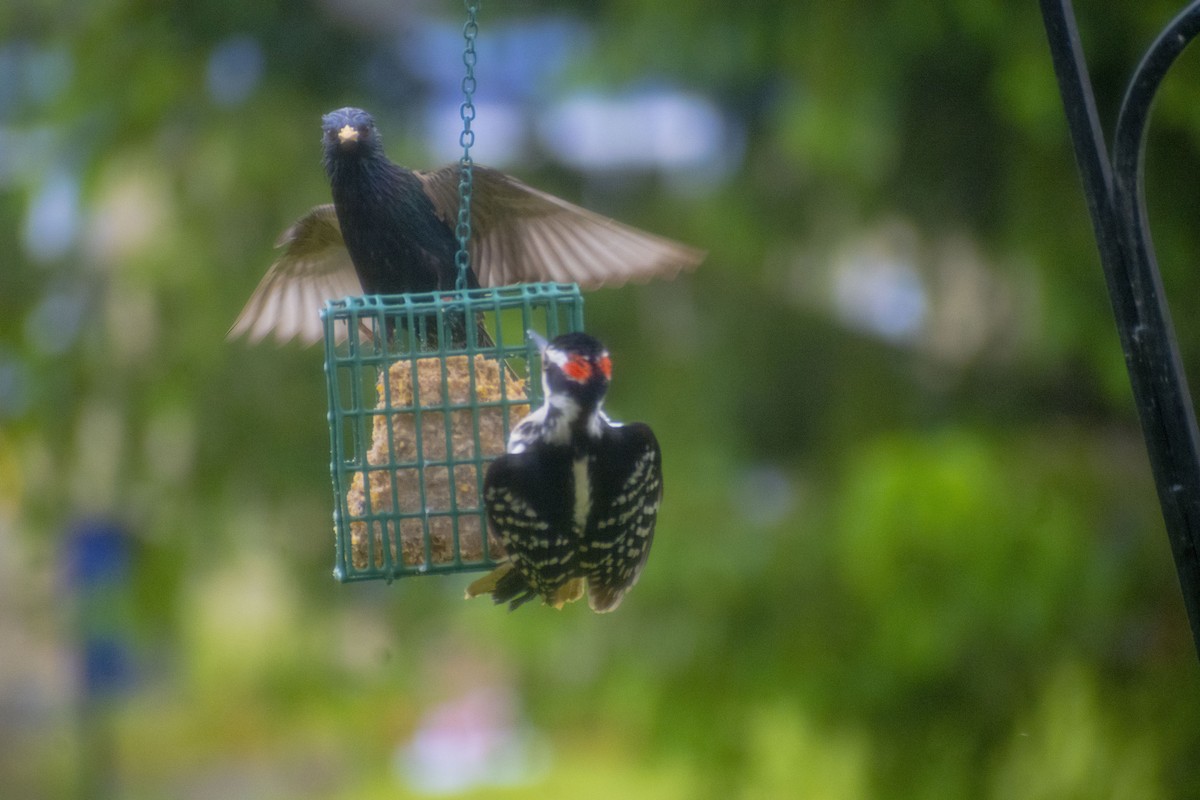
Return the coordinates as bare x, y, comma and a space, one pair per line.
349, 131
575, 365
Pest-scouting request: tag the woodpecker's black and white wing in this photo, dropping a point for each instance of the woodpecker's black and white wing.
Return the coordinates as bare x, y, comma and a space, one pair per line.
313, 268
528, 500
522, 234
627, 492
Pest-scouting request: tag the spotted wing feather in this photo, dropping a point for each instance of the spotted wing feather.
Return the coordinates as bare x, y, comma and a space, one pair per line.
524, 496
627, 480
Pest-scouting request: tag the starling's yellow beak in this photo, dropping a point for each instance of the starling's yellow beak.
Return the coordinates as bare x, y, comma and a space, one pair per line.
347, 134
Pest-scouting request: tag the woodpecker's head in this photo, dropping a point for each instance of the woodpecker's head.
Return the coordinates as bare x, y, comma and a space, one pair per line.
575, 366
349, 133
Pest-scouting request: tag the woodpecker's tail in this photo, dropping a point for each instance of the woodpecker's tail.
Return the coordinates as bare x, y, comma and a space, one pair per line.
505, 585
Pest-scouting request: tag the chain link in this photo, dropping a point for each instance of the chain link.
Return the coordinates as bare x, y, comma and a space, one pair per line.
462, 259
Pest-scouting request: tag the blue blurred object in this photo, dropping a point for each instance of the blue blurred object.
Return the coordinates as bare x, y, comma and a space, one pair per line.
97, 553
98, 568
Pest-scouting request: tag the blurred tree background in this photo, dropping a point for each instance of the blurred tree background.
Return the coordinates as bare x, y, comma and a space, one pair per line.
910, 545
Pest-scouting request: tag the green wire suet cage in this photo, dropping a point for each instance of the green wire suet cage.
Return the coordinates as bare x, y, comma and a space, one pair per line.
423, 392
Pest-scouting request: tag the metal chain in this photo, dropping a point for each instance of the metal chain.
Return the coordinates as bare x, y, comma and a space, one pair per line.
462, 259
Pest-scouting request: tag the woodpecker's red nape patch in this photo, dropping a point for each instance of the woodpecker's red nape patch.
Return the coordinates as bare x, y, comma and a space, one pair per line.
577, 368
605, 365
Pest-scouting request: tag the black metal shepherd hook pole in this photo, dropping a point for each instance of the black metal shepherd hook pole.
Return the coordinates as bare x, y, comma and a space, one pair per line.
1115, 198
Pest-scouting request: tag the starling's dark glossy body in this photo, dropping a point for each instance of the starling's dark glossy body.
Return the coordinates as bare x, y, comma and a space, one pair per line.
391, 230
393, 233
575, 499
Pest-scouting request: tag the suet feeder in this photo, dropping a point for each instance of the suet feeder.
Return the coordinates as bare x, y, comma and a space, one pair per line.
420, 401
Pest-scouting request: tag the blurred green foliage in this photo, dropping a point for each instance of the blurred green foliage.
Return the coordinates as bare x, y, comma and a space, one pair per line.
925, 563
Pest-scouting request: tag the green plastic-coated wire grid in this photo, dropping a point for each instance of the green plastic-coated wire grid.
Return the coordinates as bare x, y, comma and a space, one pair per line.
419, 403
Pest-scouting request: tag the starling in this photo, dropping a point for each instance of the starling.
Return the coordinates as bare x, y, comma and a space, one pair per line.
390, 230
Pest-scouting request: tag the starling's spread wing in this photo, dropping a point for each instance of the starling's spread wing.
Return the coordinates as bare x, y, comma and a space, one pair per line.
526, 497
314, 267
521, 234
627, 476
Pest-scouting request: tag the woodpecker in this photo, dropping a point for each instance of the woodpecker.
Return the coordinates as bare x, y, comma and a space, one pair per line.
390, 230
575, 497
